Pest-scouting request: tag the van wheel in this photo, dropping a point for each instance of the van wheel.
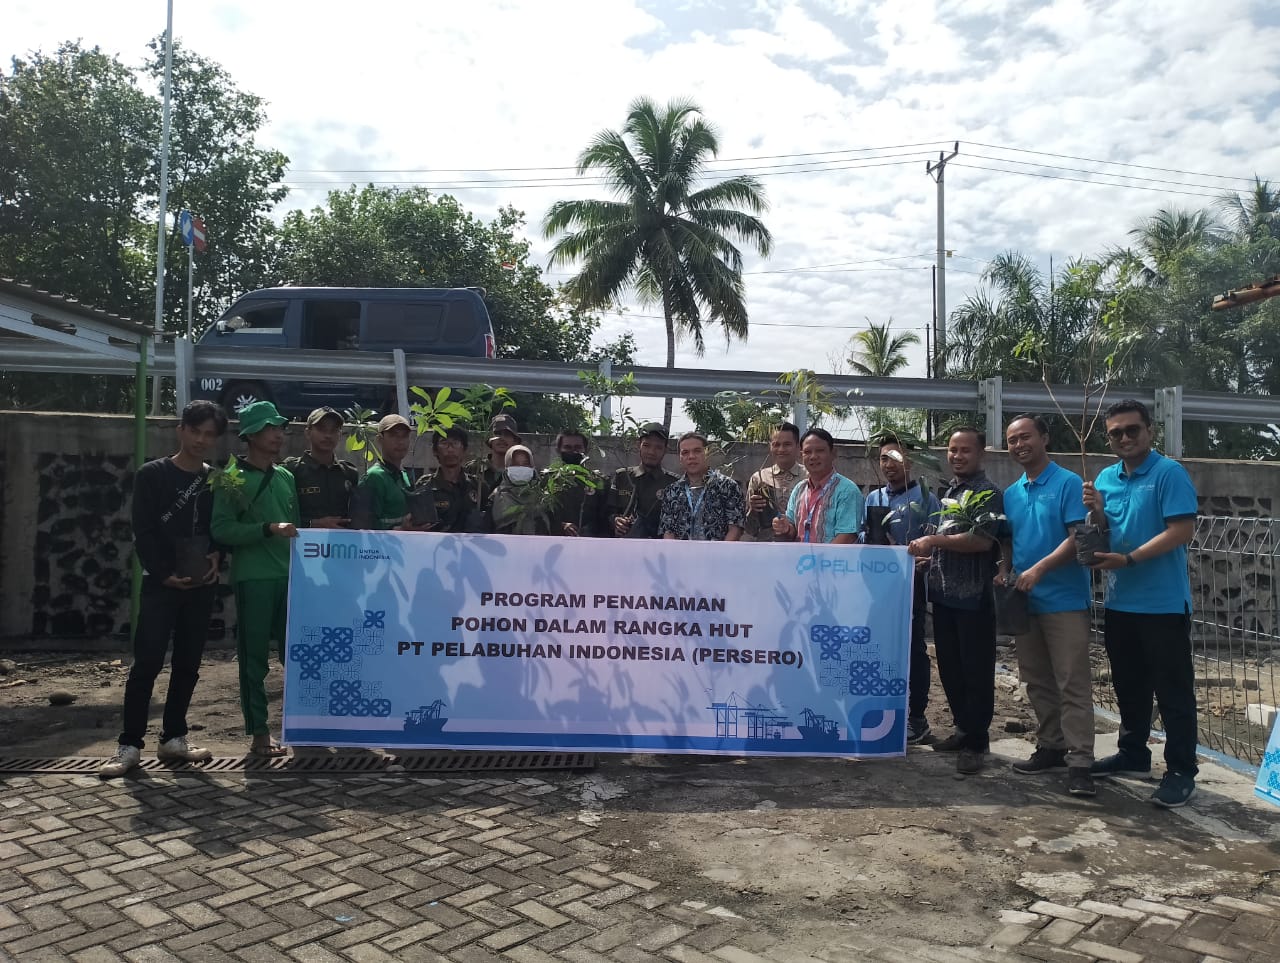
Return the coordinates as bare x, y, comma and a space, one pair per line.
238, 394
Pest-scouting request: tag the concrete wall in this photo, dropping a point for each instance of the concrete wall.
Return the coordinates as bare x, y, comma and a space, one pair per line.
65, 483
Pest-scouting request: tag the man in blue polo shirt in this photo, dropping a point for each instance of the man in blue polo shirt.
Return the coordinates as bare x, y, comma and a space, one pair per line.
1149, 504
1053, 654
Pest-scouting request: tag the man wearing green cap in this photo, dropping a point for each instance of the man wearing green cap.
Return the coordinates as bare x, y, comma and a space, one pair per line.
255, 512
383, 500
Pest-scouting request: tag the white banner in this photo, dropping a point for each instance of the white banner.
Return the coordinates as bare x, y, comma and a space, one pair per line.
598, 645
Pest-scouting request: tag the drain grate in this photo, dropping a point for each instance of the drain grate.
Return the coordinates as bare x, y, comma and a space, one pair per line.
355, 764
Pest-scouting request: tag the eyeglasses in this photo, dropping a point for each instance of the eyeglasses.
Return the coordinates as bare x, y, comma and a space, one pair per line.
1128, 431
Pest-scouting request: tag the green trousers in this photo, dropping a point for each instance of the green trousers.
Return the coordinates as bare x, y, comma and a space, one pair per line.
261, 605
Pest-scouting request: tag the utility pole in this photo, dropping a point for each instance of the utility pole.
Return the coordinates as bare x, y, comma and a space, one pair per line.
937, 170
157, 382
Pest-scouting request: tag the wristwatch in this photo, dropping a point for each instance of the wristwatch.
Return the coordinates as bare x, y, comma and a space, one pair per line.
1128, 559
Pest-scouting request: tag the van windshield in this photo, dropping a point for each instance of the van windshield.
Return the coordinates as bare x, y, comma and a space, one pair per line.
257, 316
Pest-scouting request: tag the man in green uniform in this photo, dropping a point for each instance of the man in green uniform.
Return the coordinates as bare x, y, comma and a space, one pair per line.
382, 501
634, 496
325, 483
256, 517
456, 494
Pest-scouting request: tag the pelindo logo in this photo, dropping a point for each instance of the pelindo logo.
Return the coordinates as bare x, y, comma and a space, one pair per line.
845, 566
317, 550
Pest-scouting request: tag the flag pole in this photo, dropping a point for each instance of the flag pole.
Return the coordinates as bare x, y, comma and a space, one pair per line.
190, 265
164, 198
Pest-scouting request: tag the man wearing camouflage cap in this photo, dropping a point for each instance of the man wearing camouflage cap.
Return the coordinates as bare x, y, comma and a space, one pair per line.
634, 497
503, 433
325, 483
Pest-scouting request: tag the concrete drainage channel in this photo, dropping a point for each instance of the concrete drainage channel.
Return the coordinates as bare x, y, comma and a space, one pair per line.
364, 763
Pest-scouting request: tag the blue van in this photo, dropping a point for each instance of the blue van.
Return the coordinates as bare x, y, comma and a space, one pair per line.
449, 321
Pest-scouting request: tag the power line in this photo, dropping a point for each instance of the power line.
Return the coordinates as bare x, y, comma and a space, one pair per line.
1081, 180
503, 170
778, 324
1095, 160
1081, 170
509, 184
813, 270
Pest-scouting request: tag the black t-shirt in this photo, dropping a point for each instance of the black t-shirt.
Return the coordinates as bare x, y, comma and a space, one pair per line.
168, 504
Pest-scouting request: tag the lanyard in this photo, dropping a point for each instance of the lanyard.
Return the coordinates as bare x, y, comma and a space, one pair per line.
813, 502
695, 508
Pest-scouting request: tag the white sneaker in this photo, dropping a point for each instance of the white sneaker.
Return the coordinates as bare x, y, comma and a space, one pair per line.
126, 758
177, 750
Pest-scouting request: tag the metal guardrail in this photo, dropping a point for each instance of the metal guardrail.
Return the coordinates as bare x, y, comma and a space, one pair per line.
187, 362
1235, 634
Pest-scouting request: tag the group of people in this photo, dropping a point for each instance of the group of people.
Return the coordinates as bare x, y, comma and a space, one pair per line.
183, 524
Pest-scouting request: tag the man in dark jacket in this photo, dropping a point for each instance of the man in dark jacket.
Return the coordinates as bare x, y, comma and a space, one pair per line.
172, 505
580, 507
325, 483
634, 495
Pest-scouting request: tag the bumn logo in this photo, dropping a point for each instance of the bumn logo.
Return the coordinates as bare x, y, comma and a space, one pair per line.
316, 550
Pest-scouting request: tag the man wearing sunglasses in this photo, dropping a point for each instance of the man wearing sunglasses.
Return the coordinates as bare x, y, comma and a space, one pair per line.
1149, 505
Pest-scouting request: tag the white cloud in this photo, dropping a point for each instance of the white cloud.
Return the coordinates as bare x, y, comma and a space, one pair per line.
436, 89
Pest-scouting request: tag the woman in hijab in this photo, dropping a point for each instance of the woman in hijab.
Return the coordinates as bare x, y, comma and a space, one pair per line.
517, 506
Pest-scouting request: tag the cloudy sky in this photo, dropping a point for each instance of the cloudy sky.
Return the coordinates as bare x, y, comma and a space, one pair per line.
835, 104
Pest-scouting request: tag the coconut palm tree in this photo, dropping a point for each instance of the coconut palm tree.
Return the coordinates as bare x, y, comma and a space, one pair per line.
876, 353
1254, 214
667, 235
1173, 233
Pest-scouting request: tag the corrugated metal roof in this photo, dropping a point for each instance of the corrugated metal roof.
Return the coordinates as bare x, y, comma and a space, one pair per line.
72, 306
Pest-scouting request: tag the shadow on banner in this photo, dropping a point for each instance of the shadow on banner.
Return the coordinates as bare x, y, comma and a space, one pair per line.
512, 642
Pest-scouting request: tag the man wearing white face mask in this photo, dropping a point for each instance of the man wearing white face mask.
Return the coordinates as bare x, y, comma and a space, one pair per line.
516, 508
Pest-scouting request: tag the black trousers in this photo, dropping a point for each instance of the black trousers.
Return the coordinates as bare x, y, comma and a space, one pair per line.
1151, 656
165, 614
965, 644
918, 678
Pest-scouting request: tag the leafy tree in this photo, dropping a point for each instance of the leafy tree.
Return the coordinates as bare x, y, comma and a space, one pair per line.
79, 185
218, 171
408, 237
1025, 326
663, 236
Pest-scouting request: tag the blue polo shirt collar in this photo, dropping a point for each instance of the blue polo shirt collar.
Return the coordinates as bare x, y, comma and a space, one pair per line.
1043, 477
1147, 464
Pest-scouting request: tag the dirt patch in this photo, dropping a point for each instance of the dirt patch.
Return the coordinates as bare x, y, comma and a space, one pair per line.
31, 726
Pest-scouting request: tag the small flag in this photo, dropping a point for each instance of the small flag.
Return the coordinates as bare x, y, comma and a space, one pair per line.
192, 229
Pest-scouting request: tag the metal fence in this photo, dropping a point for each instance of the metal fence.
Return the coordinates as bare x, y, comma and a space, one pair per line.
1235, 634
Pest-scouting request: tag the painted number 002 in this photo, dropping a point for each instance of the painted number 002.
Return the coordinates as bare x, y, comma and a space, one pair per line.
210, 384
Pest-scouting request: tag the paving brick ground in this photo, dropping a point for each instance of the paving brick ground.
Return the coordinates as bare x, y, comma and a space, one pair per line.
322, 869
